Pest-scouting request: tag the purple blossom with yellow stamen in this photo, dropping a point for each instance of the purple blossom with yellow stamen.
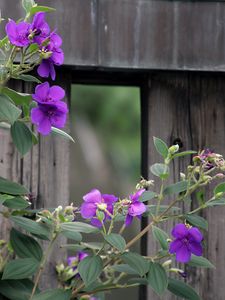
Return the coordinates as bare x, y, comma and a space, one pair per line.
135, 207
18, 33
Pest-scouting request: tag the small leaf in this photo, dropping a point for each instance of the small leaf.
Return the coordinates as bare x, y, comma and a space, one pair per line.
123, 268
181, 289
160, 170
140, 281
27, 5
62, 133
25, 246
20, 268
157, 278
161, 147
136, 262
116, 240
198, 221
31, 226
4, 41
199, 261
161, 236
146, 196
28, 78
184, 153
220, 188
90, 268
56, 294
176, 188
16, 203
18, 98
76, 236
12, 188
22, 137
79, 227
37, 8
216, 202
8, 111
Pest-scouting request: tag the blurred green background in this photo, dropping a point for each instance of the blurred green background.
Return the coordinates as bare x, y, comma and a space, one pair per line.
105, 123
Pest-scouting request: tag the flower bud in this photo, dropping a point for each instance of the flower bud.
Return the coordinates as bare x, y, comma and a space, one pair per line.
100, 215
167, 263
46, 55
182, 176
173, 149
220, 175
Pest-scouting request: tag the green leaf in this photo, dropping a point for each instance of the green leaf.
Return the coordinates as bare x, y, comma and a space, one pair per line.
17, 98
22, 137
27, 5
90, 268
198, 221
20, 268
8, 111
184, 153
12, 188
31, 226
181, 289
161, 236
56, 294
200, 261
140, 281
28, 78
93, 245
79, 227
176, 188
146, 196
37, 8
161, 147
25, 246
62, 133
124, 268
220, 188
116, 240
16, 289
216, 202
136, 262
160, 170
16, 203
157, 278
73, 235
4, 41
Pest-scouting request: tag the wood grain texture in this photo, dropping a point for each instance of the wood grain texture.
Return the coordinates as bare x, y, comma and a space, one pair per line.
191, 107
137, 34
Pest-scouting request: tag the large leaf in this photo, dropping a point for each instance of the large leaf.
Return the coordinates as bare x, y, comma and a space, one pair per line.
79, 227
196, 220
136, 262
16, 289
184, 153
124, 268
90, 268
116, 240
181, 289
73, 235
31, 226
160, 170
146, 196
25, 246
20, 268
56, 294
157, 278
161, 147
22, 137
220, 188
16, 203
161, 236
18, 98
199, 261
176, 188
8, 111
12, 188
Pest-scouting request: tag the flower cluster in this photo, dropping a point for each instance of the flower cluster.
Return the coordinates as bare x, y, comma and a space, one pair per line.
73, 261
210, 160
100, 207
23, 34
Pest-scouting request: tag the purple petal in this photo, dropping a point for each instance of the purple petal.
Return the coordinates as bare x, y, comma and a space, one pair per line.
175, 246
128, 220
109, 199
44, 126
37, 115
195, 234
183, 254
52, 70
88, 210
82, 255
39, 23
44, 68
93, 196
136, 196
41, 92
180, 231
57, 57
56, 40
95, 222
136, 209
196, 248
71, 260
56, 93
58, 120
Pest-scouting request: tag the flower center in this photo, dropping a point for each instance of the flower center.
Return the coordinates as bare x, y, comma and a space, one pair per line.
102, 206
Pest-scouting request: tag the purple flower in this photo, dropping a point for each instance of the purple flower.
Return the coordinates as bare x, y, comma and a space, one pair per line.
47, 115
46, 94
46, 67
73, 261
39, 27
18, 34
187, 241
135, 207
94, 201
